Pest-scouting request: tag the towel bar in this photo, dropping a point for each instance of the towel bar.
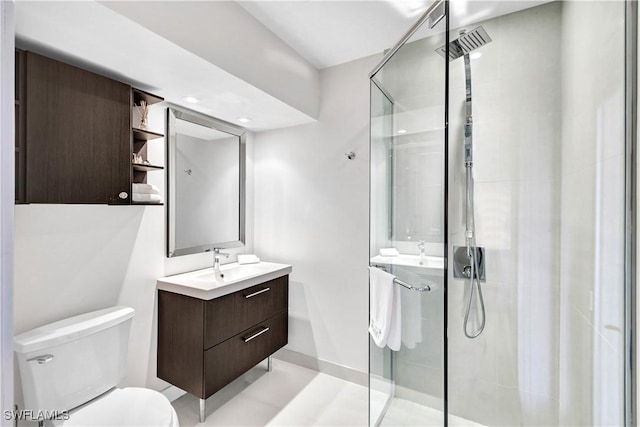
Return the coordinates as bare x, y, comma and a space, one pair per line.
404, 284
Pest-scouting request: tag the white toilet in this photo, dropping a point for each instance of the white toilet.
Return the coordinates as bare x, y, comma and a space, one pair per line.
75, 364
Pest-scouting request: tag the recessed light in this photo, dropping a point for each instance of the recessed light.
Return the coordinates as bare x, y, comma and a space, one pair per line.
476, 55
191, 99
244, 119
401, 131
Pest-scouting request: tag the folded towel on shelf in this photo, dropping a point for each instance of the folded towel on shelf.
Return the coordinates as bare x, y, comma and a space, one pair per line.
148, 198
385, 320
145, 188
248, 259
389, 252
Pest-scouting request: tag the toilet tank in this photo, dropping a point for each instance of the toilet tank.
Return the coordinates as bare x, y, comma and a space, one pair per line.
67, 363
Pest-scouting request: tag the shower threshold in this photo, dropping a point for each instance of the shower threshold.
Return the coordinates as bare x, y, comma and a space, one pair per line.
403, 412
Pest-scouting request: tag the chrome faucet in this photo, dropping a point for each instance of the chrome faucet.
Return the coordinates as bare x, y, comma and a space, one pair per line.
216, 258
421, 248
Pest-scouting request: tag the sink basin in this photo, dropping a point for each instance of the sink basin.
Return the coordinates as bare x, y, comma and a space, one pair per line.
204, 284
234, 272
426, 262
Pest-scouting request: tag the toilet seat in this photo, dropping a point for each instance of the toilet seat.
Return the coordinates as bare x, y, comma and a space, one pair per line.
130, 406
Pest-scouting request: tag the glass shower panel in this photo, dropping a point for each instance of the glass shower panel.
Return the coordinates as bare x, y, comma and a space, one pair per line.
548, 179
380, 379
407, 228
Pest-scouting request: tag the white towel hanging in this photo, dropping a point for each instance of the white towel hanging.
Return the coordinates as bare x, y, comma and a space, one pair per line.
385, 309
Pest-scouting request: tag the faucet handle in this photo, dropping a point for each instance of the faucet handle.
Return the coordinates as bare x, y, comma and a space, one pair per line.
421, 244
216, 251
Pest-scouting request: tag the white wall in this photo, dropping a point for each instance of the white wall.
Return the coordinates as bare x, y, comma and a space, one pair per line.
311, 206
70, 259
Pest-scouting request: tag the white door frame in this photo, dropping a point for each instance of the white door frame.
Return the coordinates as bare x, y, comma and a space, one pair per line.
7, 197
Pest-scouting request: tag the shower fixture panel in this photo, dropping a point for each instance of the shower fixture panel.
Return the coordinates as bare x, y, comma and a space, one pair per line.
469, 259
462, 267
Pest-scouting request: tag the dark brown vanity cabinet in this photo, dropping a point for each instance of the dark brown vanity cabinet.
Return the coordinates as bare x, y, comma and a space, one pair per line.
204, 345
74, 135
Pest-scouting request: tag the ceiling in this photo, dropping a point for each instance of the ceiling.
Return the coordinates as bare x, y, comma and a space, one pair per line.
324, 32
330, 32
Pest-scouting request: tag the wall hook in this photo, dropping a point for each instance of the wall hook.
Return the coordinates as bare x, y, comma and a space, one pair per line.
350, 155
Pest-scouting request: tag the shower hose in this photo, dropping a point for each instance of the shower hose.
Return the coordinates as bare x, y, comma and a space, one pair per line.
472, 254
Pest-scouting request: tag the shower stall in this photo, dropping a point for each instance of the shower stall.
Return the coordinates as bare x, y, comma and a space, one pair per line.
502, 207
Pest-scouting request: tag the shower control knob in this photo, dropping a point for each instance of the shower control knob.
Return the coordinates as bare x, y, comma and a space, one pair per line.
466, 271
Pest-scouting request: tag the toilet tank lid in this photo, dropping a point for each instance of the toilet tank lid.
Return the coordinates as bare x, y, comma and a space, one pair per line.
71, 329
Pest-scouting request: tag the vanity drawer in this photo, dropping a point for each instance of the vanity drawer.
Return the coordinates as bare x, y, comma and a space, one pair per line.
230, 359
228, 315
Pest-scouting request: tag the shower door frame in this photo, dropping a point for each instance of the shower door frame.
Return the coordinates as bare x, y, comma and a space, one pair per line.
631, 219
631, 188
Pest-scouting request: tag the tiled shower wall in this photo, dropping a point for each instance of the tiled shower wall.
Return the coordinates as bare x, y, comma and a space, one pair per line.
591, 311
509, 373
548, 166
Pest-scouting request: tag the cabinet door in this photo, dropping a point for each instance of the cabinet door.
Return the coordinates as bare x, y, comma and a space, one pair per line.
77, 135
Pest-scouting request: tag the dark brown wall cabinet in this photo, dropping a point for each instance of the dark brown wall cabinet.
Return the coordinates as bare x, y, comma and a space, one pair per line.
74, 139
204, 345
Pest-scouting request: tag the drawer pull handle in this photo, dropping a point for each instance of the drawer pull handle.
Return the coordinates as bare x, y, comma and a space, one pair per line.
257, 334
257, 293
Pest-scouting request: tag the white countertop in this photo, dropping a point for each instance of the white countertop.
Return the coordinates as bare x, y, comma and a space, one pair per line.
202, 283
427, 263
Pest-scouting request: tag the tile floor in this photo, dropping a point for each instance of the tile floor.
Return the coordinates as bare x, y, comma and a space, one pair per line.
403, 412
289, 395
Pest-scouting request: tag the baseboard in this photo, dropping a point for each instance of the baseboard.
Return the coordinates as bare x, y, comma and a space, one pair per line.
172, 393
333, 369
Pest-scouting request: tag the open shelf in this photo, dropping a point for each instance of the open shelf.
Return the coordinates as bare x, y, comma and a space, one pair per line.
145, 135
139, 143
139, 95
147, 204
146, 168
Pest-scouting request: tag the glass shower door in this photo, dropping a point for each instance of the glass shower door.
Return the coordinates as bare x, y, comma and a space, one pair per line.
512, 161
549, 180
408, 229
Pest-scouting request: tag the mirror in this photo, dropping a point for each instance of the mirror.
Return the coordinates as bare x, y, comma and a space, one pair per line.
416, 188
206, 183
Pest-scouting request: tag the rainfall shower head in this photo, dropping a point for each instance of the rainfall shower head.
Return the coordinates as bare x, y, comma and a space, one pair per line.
464, 44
